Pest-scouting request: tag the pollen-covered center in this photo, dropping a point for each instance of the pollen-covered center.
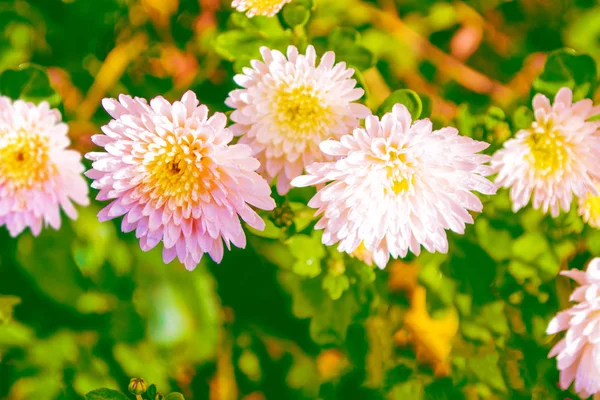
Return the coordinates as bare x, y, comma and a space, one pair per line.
591, 205
548, 153
264, 7
400, 171
25, 160
299, 110
179, 169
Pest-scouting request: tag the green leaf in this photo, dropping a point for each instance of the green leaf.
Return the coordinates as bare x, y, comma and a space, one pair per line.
271, 231
497, 243
309, 251
566, 68
358, 57
303, 215
174, 396
492, 315
523, 118
105, 394
30, 83
239, 44
7, 304
409, 98
233, 44
530, 246
266, 26
486, 369
346, 44
151, 392
426, 106
344, 37
335, 285
412, 389
295, 14
330, 319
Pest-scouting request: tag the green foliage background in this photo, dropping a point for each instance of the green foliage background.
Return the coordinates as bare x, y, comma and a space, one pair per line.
84, 308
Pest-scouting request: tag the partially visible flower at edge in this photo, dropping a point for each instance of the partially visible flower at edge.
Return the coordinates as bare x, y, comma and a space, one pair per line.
171, 172
589, 209
289, 105
578, 352
39, 174
397, 186
259, 7
554, 159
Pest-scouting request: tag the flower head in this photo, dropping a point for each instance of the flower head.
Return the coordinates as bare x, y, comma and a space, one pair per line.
554, 159
259, 7
290, 105
589, 208
172, 173
39, 175
578, 352
397, 186
137, 386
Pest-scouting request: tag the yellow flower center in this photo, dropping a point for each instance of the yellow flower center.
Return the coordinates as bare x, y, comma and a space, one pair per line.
299, 110
25, 160
400, 172
264, 7
179, 169
548, 153
363, 254
591, 205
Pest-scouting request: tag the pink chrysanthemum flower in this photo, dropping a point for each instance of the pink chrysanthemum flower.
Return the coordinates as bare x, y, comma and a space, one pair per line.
259, 7
290, 105
578, 352
38, 174
397, 186
589, 209
176, 179
554, 159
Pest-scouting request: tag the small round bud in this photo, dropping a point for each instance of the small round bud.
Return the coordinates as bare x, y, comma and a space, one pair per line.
160, 396
137, 386
283, 216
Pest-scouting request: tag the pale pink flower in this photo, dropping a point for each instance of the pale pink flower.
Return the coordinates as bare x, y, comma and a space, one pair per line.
175, 178
577, 354
259, 7
39, 175
290, 105
554, 159
397, 185
589, 208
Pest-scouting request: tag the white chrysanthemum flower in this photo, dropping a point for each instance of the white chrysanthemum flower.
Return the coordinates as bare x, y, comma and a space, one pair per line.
259, 7
589, 209
577, 354
171, 171
39, 174
397, 186
554, 159
290, 105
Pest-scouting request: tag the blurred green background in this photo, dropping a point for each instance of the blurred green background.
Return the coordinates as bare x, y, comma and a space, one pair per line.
286, 318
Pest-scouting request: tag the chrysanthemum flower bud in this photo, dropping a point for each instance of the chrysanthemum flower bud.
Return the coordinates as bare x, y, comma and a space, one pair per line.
137, 386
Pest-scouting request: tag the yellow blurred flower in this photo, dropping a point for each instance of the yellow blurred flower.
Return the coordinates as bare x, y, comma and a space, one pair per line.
403, 276
330, 364
431, 338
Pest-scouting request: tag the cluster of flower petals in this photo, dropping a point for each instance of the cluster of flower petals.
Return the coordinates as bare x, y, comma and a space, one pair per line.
170, 171
289, 105
589, 208
39, 174
578, 352
396, 185
259, 7
556, 158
